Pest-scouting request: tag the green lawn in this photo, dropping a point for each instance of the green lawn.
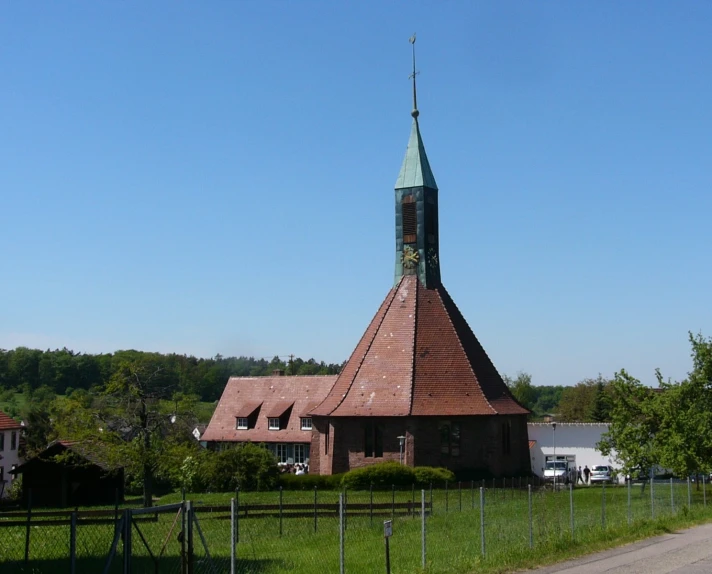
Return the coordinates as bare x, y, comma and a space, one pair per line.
453, 532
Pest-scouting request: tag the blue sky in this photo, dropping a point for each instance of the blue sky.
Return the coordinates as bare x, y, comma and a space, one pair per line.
217, 177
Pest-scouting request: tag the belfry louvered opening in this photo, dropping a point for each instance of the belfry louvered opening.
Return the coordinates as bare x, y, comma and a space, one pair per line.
410, 219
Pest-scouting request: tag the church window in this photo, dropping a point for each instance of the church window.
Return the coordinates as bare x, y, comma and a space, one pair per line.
13, 441
410, 219
450, 438
372, 440
506, 438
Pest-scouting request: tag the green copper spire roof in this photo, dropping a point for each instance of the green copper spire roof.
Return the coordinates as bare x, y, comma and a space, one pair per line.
415, 171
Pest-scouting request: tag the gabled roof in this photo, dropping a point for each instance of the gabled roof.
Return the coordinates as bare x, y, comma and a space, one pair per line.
418, 357
92, 453
275, 394
415, 170
8, 423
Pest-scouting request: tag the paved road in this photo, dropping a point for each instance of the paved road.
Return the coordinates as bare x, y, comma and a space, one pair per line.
688, 552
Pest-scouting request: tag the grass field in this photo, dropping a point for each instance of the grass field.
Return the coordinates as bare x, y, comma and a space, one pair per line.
453, 535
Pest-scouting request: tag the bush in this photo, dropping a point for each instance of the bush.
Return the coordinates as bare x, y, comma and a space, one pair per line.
290, 481
380, 475
247, 465
425, 475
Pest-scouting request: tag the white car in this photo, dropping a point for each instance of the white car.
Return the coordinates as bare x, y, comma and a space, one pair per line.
601, 473
559, 472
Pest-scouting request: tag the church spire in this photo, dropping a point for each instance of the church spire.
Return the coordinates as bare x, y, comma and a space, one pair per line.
417, 242
415, 170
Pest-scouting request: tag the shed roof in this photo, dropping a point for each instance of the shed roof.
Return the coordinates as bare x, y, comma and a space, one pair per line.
276, 394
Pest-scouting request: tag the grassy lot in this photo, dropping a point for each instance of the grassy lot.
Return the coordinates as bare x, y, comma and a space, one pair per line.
453, 532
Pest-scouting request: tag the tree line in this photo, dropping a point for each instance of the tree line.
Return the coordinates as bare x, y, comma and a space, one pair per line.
61, 371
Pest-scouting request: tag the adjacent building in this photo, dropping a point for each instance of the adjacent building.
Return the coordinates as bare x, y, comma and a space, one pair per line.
10, 433
274, 411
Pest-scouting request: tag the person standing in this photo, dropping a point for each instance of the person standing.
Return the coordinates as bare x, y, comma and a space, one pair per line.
579, 476
586, 473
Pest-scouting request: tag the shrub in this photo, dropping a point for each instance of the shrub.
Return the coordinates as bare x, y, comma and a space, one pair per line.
310, 481
425, 475
381, 475
247, 465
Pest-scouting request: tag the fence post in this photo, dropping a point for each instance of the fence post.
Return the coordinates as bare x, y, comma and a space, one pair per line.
183, 558
482, 519
571, 508
232, 537
189, 511
459, 493
422, 528
27, 530
603, 506
127, 543
531, 523
689, 494
672, 498
704, 492
315, 509
630, 480
73, 543
341, 533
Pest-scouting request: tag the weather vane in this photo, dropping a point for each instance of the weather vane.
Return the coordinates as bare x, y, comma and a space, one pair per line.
415, 111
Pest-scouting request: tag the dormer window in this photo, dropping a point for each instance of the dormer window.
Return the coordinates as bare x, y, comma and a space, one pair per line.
306, 423
243, 423
273, 423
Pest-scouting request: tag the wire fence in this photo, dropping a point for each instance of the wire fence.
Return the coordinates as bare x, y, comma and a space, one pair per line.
448, 528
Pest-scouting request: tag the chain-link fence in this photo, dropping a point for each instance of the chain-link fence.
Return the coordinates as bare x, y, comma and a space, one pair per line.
448, 528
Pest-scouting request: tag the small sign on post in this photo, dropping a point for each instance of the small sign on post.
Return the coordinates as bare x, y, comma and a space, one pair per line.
387, 533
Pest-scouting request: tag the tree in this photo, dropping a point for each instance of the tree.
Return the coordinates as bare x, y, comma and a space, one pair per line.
522, 389
684, 439
585, 402
634, 424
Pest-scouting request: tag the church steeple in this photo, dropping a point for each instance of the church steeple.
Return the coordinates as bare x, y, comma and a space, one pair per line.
417, 243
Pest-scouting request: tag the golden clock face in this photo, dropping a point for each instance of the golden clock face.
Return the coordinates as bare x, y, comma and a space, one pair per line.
410, 257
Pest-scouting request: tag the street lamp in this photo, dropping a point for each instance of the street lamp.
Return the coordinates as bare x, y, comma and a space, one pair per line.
553, 426
401, 442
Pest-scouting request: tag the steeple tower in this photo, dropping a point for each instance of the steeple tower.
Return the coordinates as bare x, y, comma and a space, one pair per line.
417, 242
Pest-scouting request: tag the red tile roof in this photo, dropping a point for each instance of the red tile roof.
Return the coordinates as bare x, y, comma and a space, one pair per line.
419, 357
274, 393
8, 423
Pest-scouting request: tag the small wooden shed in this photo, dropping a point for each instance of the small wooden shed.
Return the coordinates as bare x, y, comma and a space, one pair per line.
69, 474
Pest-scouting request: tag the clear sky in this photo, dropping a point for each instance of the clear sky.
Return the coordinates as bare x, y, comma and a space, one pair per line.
217, 177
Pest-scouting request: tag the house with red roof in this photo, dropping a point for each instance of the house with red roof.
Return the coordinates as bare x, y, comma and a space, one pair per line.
10, 432
273, 411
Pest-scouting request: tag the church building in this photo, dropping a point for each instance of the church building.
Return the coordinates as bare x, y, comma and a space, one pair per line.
419, 388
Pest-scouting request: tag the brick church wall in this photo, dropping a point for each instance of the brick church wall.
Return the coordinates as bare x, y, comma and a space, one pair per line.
481, 443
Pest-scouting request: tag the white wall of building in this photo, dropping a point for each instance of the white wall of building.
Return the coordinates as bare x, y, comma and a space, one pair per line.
572, 439
10, 457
